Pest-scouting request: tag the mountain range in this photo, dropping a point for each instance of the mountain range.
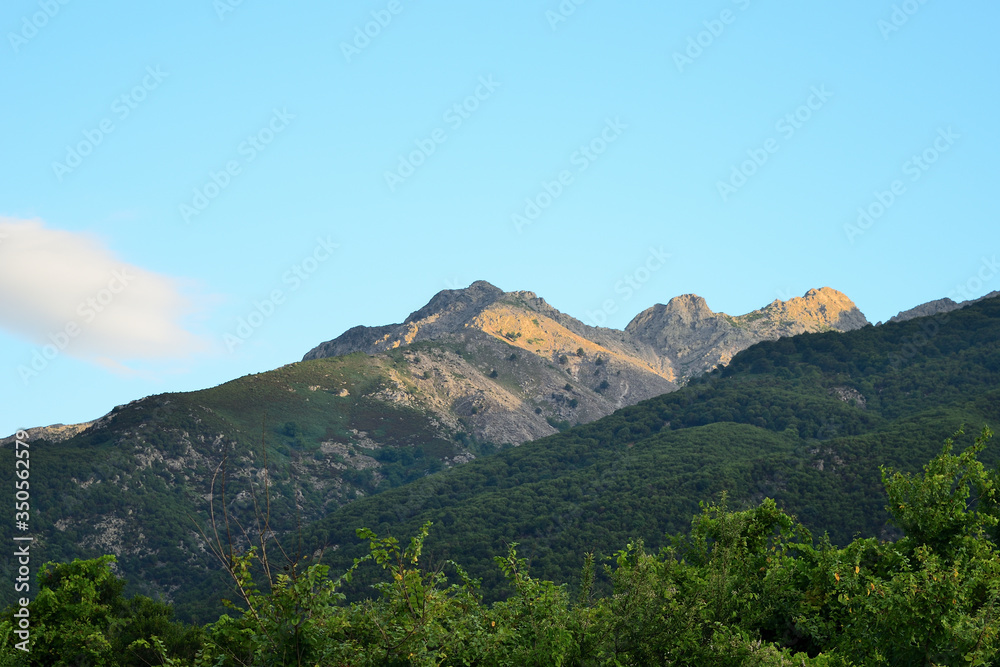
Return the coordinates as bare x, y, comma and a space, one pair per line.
470, 374
506, 367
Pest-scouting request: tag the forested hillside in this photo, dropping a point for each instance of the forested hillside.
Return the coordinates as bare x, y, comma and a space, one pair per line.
804, 420
738, 588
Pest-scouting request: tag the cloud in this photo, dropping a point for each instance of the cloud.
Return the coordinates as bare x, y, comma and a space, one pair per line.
66, 289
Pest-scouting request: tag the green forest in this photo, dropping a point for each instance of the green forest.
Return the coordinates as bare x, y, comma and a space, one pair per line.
739, 587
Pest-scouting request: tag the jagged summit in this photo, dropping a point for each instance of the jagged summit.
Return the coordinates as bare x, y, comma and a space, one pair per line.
696, 339
823, 307
687, 307
678, 339
447, 313
476, 296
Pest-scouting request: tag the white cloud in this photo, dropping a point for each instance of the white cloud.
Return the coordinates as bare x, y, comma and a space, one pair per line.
65, 287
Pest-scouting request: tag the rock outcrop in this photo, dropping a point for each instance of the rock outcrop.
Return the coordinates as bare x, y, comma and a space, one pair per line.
694, 339
937, 307
675, 341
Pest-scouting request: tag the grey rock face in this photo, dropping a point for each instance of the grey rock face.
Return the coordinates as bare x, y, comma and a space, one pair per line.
676, 340
937, 307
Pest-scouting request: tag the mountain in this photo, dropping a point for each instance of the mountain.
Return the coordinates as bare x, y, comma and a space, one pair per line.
660, 349
694, 339
508, 365
469, 374
805, 420
937, 307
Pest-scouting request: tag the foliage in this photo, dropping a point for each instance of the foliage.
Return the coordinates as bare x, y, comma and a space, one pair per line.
80, 617
746, 587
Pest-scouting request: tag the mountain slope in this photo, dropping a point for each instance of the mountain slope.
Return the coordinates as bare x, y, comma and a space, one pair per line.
472, 372
804, 420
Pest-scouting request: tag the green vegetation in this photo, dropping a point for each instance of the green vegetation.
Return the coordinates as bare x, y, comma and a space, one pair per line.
80, 617
771, 424
559, 425
109, 488
748, 587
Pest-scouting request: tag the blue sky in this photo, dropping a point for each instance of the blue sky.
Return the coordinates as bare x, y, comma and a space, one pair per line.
169, 169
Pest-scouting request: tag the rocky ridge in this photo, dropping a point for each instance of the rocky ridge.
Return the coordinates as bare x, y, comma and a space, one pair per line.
937, 307
674, 341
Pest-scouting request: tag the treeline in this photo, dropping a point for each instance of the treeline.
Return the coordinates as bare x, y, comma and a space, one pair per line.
748, 587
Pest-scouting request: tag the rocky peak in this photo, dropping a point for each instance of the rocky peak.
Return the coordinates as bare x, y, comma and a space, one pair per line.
817, 310
923, 310
691, 304
695, 339
473, 298
937, 307
681, 338
447, 313
684, 310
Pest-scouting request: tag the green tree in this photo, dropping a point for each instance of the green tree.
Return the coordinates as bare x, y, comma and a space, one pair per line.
81, 617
